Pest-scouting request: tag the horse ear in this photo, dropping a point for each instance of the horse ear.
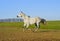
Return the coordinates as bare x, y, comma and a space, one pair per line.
21, 11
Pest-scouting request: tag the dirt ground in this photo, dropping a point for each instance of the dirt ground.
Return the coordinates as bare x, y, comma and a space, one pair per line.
19, 35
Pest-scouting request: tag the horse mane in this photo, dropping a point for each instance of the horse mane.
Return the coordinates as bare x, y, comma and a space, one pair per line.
23, 13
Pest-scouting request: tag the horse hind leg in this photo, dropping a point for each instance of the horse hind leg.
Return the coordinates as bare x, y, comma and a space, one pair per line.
36, 27
39, 25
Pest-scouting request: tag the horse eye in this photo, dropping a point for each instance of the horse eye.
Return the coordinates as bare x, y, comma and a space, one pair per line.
21, 16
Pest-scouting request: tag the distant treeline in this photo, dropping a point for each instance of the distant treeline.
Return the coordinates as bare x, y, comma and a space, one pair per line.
11, 20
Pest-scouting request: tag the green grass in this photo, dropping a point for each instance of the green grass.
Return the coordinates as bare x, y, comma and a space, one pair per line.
49, 25
11, 24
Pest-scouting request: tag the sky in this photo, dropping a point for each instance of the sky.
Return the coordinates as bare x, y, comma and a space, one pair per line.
47, 9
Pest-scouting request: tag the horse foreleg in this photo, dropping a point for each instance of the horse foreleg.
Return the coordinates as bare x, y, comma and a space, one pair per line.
24, 27
27, 27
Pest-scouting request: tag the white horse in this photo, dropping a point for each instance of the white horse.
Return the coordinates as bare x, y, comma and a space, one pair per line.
28, 21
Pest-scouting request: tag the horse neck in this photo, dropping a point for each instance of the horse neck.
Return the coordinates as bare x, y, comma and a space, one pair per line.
25, 17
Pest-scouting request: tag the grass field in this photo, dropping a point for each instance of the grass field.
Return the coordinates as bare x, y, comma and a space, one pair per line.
12, 31
49, 25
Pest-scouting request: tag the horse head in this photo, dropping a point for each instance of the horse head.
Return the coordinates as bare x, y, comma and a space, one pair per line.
21, 14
